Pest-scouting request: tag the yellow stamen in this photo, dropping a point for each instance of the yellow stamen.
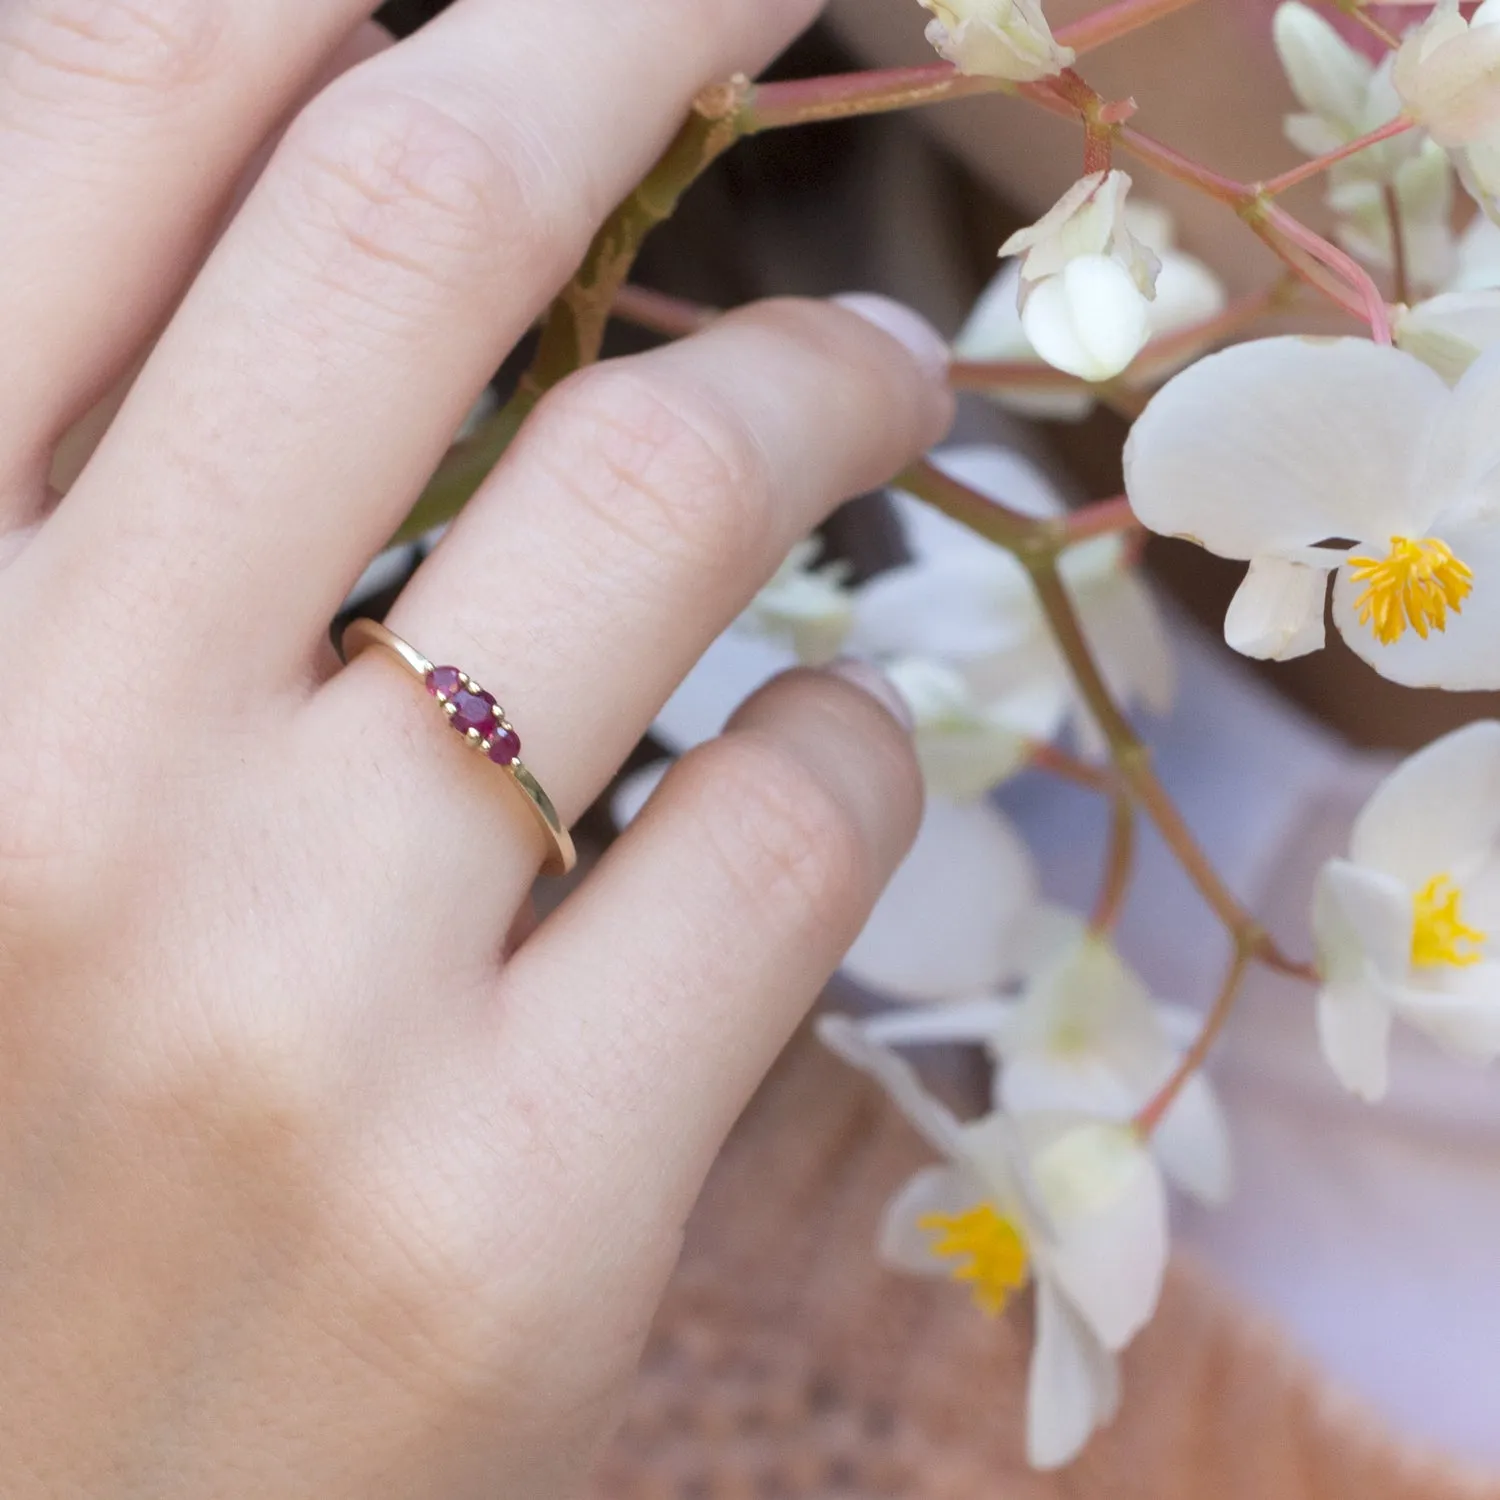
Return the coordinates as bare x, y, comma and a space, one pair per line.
1438, 932
993, 1251
1415, 585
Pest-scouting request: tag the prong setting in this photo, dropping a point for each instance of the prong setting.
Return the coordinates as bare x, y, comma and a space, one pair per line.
475, 714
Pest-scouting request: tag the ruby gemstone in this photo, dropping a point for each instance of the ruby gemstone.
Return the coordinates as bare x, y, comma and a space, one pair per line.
472, 711
506, 747
444, 680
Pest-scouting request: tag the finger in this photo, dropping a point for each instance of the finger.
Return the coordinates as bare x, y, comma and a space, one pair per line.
636, 516
416, 218
77, 444
123, 126
672, 979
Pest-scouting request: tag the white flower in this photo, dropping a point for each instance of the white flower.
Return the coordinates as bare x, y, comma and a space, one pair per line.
955, 914
996, 38
1450, 331
1086, 281
1187, 294
964, 746
1448, 76
1082, 1034
1314, 458
1409, 924
1344, 95
969, 604
1447, 73
809, 607
1076, 1207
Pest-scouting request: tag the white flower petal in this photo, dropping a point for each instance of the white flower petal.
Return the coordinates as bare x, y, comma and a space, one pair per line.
1084, 221
1187, 293
992, 330
1362, 920
902, 1243
1192, 1144
1277, 611
997, 39
1090, 320
1313, 135
927, 1115
958, 606
963, 749
1463, 1016
974, 1022
1463, 454
1277, 444
1437, 813
947, 924
1108, 1209
1073, 1387
1090, 1005
730, 670
1327, 75
1036, 1081
1453, 88
1354, 1027
1152, 224
635, 791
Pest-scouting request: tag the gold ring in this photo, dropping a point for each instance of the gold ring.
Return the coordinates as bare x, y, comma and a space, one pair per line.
478, 718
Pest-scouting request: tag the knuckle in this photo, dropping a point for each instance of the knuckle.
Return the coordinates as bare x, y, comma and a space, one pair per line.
394, 180
780, 835
665, 468
150, 48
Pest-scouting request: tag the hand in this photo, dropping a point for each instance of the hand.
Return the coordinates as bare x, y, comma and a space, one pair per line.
302, 1191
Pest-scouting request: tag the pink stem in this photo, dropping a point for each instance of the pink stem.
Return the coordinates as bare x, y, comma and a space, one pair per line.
1319, 164
673, 317
1100, 519
1174, 164
1345, 267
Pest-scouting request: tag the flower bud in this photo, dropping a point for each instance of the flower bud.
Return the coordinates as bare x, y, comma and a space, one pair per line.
1089, 219
996, 39
1086, 280
1090, 320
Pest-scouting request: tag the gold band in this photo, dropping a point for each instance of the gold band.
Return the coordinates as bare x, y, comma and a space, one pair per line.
481, 721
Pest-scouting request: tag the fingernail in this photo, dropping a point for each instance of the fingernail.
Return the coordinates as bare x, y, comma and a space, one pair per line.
871, 680
909, 329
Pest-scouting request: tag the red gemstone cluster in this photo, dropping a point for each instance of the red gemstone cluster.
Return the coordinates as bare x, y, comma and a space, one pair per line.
475, 714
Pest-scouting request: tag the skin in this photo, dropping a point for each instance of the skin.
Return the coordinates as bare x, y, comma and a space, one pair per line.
310, 1188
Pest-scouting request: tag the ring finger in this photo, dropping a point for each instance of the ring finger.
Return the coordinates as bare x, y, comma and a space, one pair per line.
636, 515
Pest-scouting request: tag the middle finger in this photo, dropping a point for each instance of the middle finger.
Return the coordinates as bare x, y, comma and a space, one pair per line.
414, 221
